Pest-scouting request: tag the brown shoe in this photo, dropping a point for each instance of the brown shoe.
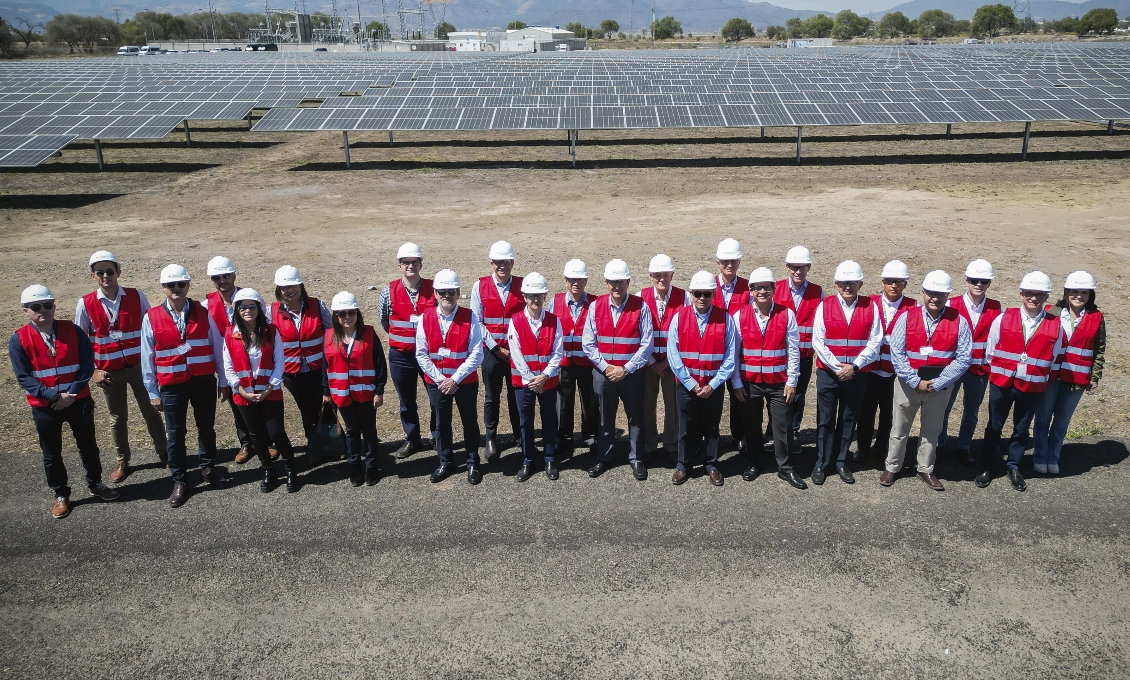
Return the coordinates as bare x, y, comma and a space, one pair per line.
679, 477
406, 449
62, 507
931, 481
273, 453
715, 477
104, 492
244, 455
121, 471
179, 495
887, 478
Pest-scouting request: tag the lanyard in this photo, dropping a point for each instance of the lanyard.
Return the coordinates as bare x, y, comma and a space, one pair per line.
179, 320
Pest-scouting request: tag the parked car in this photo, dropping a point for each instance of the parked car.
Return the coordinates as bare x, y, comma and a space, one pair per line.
128, 50
263, 47
151, 49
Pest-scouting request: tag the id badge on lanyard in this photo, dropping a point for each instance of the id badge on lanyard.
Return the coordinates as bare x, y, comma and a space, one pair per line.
184, 348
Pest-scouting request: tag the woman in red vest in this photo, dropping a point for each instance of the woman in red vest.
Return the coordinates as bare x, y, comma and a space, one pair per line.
354, 380
253, 363
1080, 368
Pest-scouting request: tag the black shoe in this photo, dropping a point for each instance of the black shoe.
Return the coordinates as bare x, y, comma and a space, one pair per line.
356, 476
966, 457
406, 449
526, 472
372, 477
792, 478
742, 447
565, 450
639, 470
845, 474
474, 476
1017, 480
751, 473
982, 480
270, 479
551, 471
292, 484
598, 469
214, 476
818, 476
440, 474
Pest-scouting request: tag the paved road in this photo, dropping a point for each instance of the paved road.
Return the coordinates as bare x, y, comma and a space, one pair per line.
578, 578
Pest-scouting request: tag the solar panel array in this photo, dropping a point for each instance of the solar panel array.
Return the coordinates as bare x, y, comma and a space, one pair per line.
43, 103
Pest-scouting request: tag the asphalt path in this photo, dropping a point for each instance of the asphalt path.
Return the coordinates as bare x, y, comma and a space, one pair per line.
575, 578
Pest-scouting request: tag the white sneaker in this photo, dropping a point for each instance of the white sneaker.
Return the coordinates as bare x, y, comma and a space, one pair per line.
1041, 468
1053, 469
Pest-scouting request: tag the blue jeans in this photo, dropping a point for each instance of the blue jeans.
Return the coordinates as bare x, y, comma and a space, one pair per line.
1053, 417
200, 393
973, 391
1001, 401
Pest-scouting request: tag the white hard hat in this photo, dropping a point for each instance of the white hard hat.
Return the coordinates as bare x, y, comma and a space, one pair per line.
1037, 281
729, 249
446, 279
617, 270
661, 263
344, 300
576, 269
103, 256
761, 275
501, 250
247, 294
1079, 281
287, 275
534, 283
174, 272
849, 270
36, 293
979, 269
938, 281
409, 250
703, 280
220, 265
895, 269
798, 255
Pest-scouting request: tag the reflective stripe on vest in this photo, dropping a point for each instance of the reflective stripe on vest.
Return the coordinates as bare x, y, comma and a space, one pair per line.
1025, 366
702, 355
300, 343
457, 343
351, 377
115, 354
942, 344
991, 310
401, 327
496, 316
805, 314
57, 371
846, 341
661, 327
884, 367
536, 350
619, 342
174, 365
572, 331
1079, 354
765, 357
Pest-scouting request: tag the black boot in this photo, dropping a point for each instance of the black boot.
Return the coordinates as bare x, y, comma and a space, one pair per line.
291, 477
270, 478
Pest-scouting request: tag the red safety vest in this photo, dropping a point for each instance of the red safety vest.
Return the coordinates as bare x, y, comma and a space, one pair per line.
884, 367
351, 378
990, 311
661, 326
805, 315
536, 351
571, 331
300, 342
738, 299
57, 371
496, 316
241, 362
449, 353
1027, 367
118, 345
1079, 354
942, 344
177, 358
403, 315
617, 343
765, 357
845, 341
218, 312
702, 354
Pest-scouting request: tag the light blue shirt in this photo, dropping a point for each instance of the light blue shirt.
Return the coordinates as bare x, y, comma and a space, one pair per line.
647, 339
951, 373
148, 359
675, 359
474, 347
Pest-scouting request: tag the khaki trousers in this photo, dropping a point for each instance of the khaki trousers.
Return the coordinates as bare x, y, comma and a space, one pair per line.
117, 403
652, 386
907, 403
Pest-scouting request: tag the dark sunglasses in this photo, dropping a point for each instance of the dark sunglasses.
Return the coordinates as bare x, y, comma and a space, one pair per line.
179, 285
979, 282
221, 277
345, 312
36, 306
447, 293
411, 263
106, 272
244, 308
891, 282
501, 262
729, 263
1032, 294
762, 287
702, 293
797, 267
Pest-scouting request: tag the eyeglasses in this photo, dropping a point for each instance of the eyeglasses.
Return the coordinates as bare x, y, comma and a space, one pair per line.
979, 282
222, 277
847, 284
534, 295
1032, 294
935, 294
499, 263
36, 306
798, 267
411, 263
762, 287
700, 294
106, 272
729, 263
891, 282
345, 312
247, 308
179, 285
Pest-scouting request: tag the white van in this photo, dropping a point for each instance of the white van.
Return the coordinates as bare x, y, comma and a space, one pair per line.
128, 50
150, 49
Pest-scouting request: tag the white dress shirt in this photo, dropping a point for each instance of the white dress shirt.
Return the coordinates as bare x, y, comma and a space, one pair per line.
1029, 324
792, 343
477, 305
869, 354
640, 358
558, 352
255, 357
474, 347
111, 307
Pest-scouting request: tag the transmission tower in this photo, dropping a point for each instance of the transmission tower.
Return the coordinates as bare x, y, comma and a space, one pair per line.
1023, 10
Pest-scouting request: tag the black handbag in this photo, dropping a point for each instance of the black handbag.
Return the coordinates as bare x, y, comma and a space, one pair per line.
328, 440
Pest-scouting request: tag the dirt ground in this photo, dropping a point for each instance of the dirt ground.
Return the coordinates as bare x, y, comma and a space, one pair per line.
606, 578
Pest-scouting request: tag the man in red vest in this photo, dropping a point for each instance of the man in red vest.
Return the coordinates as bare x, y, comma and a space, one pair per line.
847, 333
1022, 350
111, 317
399, 308
221, 308
930, 350
802, 296
979, 312
181, 351
732, 294
701, 346
662, 300
571, 308
53, 363
495, 299
618, 341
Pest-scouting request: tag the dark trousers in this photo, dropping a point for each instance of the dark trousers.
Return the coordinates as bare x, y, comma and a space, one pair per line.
405, 374
200, 393
547, 401
801, 391
361, 441
265, 426
878, 398
306, 388
496, 377
837, 408
699, 423
1023, 405
758, 398
241, 431
737, 425
575, 385
49, 427
466, 398
608, 396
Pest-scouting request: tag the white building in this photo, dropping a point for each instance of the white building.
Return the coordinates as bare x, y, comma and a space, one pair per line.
540, 39
466, 41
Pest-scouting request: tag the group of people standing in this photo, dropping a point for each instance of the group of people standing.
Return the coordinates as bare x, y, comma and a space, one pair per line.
758, 340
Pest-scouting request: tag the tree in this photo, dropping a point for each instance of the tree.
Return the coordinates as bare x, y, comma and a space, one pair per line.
515, 25
818, 26
894, 24
991, 20
442, 29
737, 29
961, 27
85, 33
848, 25
6, 38
28, 33
378, 30
774, 32
578, 29
666, 28
609, 27
794, 28
934, 23
1098, 20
